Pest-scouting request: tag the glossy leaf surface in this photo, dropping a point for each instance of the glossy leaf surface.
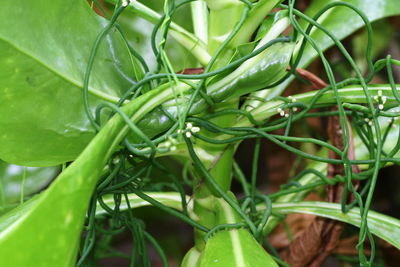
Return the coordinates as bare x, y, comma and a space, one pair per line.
48, 227
233, 247
13, 177
45, 47
385, 227
236, 248
341, 22
256, 73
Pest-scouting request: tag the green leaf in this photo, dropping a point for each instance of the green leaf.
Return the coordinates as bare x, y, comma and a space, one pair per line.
255, 73
383, 32
234, 248
45, 46
13, 177
48, 227
385, 227
341, 22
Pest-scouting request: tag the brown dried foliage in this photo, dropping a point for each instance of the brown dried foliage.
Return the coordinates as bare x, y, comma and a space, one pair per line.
321, 237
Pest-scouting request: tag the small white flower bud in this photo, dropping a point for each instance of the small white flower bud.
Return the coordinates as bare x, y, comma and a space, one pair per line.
168, 144
188, 134
195, 129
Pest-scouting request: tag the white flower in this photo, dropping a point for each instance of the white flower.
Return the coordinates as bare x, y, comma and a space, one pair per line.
195, 129
190, 129
168, 143
381, 99
125, 3
368, 121
292, 99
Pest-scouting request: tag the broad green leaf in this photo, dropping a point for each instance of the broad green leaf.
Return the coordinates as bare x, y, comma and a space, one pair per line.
234, 248
383, 32
45, 47
16, 180
48, 227
341, 22
385, 227
265, 68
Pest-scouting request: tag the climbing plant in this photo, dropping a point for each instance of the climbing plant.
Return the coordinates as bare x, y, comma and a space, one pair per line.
104, 95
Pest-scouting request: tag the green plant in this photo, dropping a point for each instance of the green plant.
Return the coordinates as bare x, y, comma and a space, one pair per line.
111, 142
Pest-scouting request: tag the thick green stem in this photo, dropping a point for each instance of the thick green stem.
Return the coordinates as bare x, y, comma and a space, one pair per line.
221, 168
193, 44
230, 11
200, 20
256, 16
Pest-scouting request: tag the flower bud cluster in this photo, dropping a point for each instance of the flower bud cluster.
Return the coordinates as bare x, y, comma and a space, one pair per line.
171, 143
368, 121
282, 112
190, 129
381, 99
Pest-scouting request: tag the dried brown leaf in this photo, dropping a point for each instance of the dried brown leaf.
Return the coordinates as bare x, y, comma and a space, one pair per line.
319, 240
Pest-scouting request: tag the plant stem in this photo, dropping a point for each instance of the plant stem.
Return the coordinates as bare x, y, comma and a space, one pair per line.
200, 20
221, 168
230, 11
193, 44
256, 16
